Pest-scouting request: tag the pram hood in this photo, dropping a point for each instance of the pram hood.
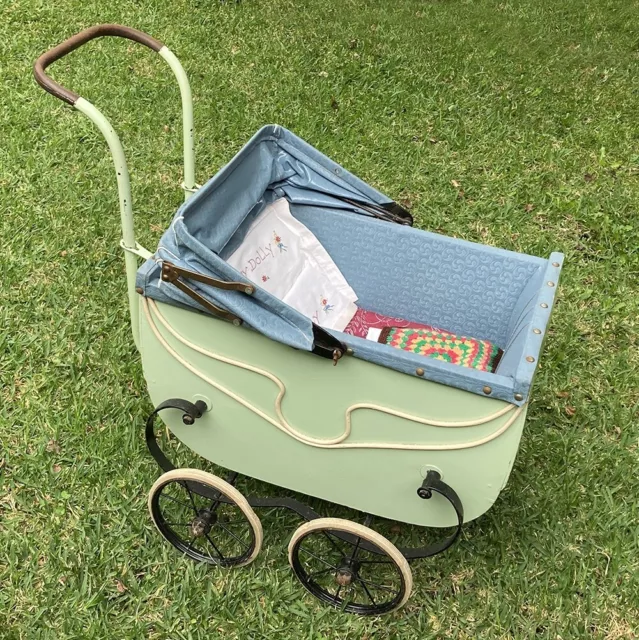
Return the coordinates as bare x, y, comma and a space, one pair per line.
464, 287
208, 228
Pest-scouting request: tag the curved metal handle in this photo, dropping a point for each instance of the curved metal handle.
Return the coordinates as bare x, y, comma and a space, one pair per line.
84, 106
76, 41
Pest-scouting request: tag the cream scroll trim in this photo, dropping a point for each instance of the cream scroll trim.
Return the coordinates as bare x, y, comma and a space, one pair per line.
151, 309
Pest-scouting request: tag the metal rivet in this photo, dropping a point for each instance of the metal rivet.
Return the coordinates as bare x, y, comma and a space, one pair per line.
248, 290
519, 397
543, 305
349, 352
487, 390
537, 331
139, 290
420, 372
555, 264
550, 283
529, 359
237, 322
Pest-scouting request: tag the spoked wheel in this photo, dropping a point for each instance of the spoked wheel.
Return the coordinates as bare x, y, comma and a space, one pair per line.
205, 517
365, 574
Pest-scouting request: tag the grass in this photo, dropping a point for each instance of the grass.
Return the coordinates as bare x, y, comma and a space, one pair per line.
530, 107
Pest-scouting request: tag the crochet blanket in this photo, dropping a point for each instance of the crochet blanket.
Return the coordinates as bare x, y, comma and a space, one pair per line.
426, 340
443, 345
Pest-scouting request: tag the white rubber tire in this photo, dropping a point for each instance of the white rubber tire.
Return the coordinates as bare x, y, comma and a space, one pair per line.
196, 475
339, 524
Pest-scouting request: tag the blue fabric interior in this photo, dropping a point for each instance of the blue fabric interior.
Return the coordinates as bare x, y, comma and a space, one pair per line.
463, 287
467, 288
519, 324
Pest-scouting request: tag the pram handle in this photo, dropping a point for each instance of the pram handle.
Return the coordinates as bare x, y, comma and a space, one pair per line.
128, 243
76, 41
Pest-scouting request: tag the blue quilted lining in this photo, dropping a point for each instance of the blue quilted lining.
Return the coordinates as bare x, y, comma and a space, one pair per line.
466, 288
398, 271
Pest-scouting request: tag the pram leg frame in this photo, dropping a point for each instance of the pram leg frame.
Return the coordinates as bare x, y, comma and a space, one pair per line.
431, 483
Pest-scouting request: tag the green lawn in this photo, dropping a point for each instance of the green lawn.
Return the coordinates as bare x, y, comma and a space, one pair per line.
530, 107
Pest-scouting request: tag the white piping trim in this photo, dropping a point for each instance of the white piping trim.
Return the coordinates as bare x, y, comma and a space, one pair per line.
325, 443
173, 228
165, 251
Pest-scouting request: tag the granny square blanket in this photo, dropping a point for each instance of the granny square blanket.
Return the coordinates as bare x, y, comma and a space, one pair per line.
442, 345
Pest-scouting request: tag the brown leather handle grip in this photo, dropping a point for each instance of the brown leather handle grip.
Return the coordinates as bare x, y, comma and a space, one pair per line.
48, 57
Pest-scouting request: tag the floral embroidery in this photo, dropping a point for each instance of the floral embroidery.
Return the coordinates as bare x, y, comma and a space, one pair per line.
278, 241
265, 278
325, 306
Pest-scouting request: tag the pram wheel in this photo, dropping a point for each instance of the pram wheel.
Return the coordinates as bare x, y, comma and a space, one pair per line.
205, 518
350, 566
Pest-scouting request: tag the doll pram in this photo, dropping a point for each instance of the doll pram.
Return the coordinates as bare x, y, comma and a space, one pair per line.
249, 383
469, 288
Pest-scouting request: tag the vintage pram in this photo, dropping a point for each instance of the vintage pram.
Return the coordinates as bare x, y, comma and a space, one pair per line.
249, 383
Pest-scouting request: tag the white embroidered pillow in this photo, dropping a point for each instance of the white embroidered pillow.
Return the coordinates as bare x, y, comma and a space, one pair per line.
282, 256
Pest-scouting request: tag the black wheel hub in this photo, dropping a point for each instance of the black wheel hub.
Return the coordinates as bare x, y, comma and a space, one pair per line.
203, 523
347, 572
